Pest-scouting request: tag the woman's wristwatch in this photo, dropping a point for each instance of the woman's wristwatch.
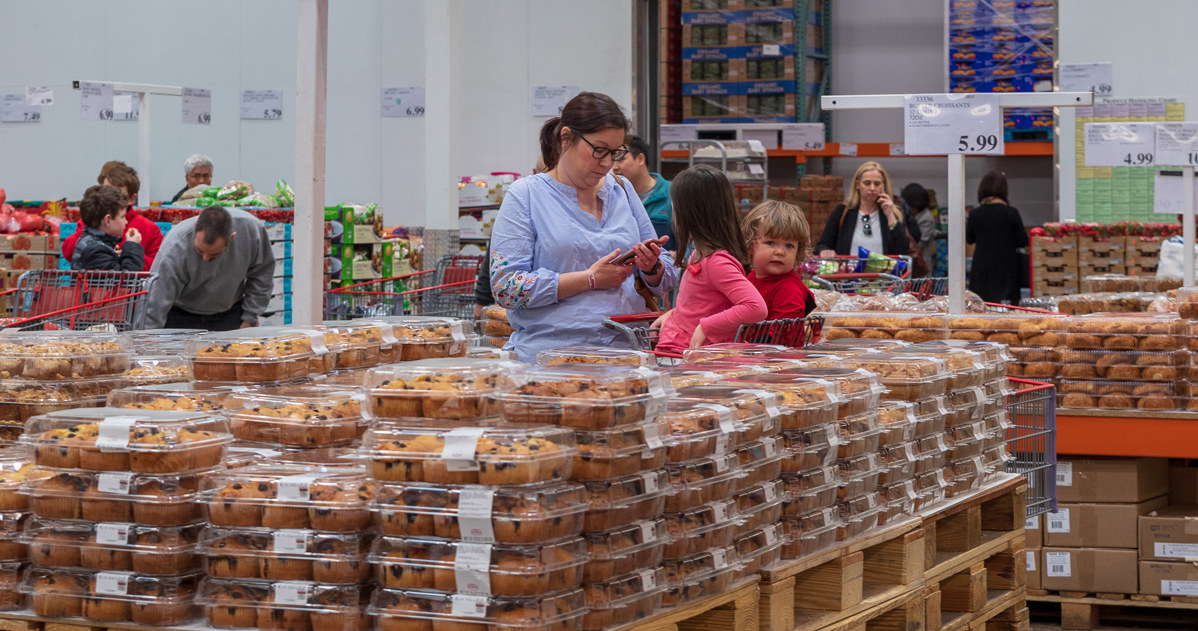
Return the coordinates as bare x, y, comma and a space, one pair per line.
656, 269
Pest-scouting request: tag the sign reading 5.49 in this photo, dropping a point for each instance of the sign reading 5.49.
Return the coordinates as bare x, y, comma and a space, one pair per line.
944, 124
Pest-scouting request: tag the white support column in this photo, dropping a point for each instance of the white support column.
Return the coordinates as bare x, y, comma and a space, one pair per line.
440, 135
143, 147
1187, 224
956, 233
308, 232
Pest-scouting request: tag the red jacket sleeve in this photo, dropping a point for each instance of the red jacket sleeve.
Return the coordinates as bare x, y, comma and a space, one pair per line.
789, 300
747, 303
151, 238
68, 244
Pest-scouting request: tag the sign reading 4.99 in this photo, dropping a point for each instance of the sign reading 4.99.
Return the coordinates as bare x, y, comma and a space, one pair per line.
944, 124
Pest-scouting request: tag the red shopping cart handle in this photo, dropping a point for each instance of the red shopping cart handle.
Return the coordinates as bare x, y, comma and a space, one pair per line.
637, 317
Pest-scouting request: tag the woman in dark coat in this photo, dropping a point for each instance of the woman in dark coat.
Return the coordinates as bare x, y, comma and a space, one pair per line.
869, 218
997, 231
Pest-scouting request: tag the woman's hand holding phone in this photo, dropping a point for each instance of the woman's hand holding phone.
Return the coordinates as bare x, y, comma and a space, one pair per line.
645, 254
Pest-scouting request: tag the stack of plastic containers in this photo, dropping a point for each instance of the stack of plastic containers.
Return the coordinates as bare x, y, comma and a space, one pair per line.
427, 337
479, 526
258, 355
116, 515
191, 396
15, 465
1124, 361
43, 372
355, 344
298, 416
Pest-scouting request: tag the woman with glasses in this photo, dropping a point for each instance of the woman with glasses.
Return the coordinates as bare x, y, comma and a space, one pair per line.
556, 245
869, 218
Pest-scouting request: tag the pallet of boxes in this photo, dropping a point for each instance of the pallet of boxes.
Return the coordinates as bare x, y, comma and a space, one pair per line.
20, 253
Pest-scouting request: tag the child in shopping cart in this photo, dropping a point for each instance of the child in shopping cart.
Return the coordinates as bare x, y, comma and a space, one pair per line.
103, 213
715, 298
778, 235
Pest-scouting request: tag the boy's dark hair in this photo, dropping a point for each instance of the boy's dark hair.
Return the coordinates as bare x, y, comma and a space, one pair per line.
705, 214
216, 223
780, 220
636, 146
993, 184
586, 113
916, 197
123, 176
100, 202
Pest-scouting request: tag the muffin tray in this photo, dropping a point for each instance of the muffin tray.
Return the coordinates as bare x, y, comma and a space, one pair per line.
327, 498
622, 501
119, 547
63, 355
447, 388
584, 396
290, 605
111, 596
471, 455
255, 355
616, 600
703, 527
596, 355
285, 554
637, 546
414, 609
114, 496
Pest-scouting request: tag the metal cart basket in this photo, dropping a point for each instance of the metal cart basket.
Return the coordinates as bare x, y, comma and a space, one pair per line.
1031, 441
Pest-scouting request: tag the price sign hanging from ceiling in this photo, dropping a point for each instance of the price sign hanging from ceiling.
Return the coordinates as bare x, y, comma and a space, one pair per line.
1176, 144
197, 106
803, 137
405, 102
14, 110
945, 124
95, 101
261, 104
1120, 144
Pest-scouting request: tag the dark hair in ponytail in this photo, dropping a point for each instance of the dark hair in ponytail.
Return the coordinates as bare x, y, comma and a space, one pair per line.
586, 113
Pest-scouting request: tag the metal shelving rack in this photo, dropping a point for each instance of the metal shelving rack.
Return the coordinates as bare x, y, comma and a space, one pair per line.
752, 157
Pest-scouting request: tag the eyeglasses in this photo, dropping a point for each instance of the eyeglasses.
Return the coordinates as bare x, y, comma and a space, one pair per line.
600, 153
866, 229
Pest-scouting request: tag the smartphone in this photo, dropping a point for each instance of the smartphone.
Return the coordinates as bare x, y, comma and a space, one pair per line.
626, 258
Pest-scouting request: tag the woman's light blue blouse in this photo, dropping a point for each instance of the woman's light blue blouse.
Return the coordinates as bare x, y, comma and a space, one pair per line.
542, 232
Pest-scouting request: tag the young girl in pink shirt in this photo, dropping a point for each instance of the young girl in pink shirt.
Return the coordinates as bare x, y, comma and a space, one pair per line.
715, 297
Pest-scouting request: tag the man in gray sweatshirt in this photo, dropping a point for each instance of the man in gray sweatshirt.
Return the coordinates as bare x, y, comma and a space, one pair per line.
215, 272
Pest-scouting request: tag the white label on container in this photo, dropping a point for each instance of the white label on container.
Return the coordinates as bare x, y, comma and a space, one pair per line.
465, 606
297, 488
292, 593
722, 443
291, 541
719, 512
653, 437
114, 433
769, 448
460, 447
1058, 522
116, 483
1179, 588
475, 506
771, 535
1031, 560
652, 484
1176, 550
1033, 523
115, 583
653, 379
1064, 474
457, 333
719, 558
648, 580
471, 568
648, 531
113, 534
721, 463
768, 399
1058, 564
771, 493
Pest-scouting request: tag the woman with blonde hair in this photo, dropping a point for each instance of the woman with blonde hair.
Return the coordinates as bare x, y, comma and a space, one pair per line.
869, 218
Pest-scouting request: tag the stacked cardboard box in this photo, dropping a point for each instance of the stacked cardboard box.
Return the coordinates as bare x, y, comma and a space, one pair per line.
669, 76
1100, 256
1168, 538
1142, 254
1091, 541
816, 195
1054, 262
1033, 543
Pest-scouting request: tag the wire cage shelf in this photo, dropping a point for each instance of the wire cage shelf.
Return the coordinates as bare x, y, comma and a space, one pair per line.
1031, 441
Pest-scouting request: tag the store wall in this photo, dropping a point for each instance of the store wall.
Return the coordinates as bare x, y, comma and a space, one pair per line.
506, 47
899, 48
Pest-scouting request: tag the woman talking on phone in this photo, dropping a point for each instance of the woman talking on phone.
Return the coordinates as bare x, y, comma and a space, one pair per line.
869, 218
560, 245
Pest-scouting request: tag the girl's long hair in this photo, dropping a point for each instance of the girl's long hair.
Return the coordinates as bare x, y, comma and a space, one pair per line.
705, 214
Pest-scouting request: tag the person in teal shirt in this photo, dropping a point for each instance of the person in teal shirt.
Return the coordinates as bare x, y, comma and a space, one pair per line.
653, 189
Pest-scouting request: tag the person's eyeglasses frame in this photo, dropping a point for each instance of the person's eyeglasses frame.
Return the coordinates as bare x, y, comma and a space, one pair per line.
600, 153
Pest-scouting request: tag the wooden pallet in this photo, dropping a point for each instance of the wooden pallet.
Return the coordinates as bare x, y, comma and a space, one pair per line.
733, 610
846, 582
1078, 611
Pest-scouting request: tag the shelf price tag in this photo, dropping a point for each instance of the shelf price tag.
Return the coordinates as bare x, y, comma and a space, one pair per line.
39, 95
14, 110
1177, 144
1096, 78
261, 104
95, 101
946, 124
1120, 144
405, 102
1168, 193
197, 106
803, 137
124, 106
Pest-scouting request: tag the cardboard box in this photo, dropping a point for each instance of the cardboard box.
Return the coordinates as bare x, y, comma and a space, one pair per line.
1111, 480
1183, 482
1097, 525
1063, 249
1054, 283
367, 262
1089, 570
1034, 572
361, 224
1090, 249
1113, 265
1136, 248
713, 106
1161, 578
29, 242
1169, 534
1034, 532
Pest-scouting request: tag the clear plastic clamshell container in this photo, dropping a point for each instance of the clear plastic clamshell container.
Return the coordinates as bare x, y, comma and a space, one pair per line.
810, 533
114, 496
910, 327
706, 573
965, 367
1123, 395
705, 373
482, 568
994, 355
23, 399
520, 454
11, 597
259, 355
611, 453
859, 476
622, 501
357, 343
845, 346
399, 610
63, 355
701, 528
759, 461
761, 504
16, 463
614, 600
275, 495
115, 439
803, 401
965, 441
115, 546
760, 547
859, 389
151, 369
305, 416
284, 605
860, 515
596, 355
584, 396
1126, 332
484, 514
1125, 365
1012, 329
757, 363
754, 410
730, 349
698, 429
898, 422
811, 491
165, 342
810, 448
906, 375
12, 542
191, 396
859, 435
636, 546
898, 463
703, 480
427, 337
445, 388
286, 554
156, 601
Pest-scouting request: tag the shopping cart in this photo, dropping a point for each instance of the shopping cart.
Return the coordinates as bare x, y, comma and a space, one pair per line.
77, 300
452, 293
449, 292
859, 283
922, 288
374, 298
796, 332
1031, 441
